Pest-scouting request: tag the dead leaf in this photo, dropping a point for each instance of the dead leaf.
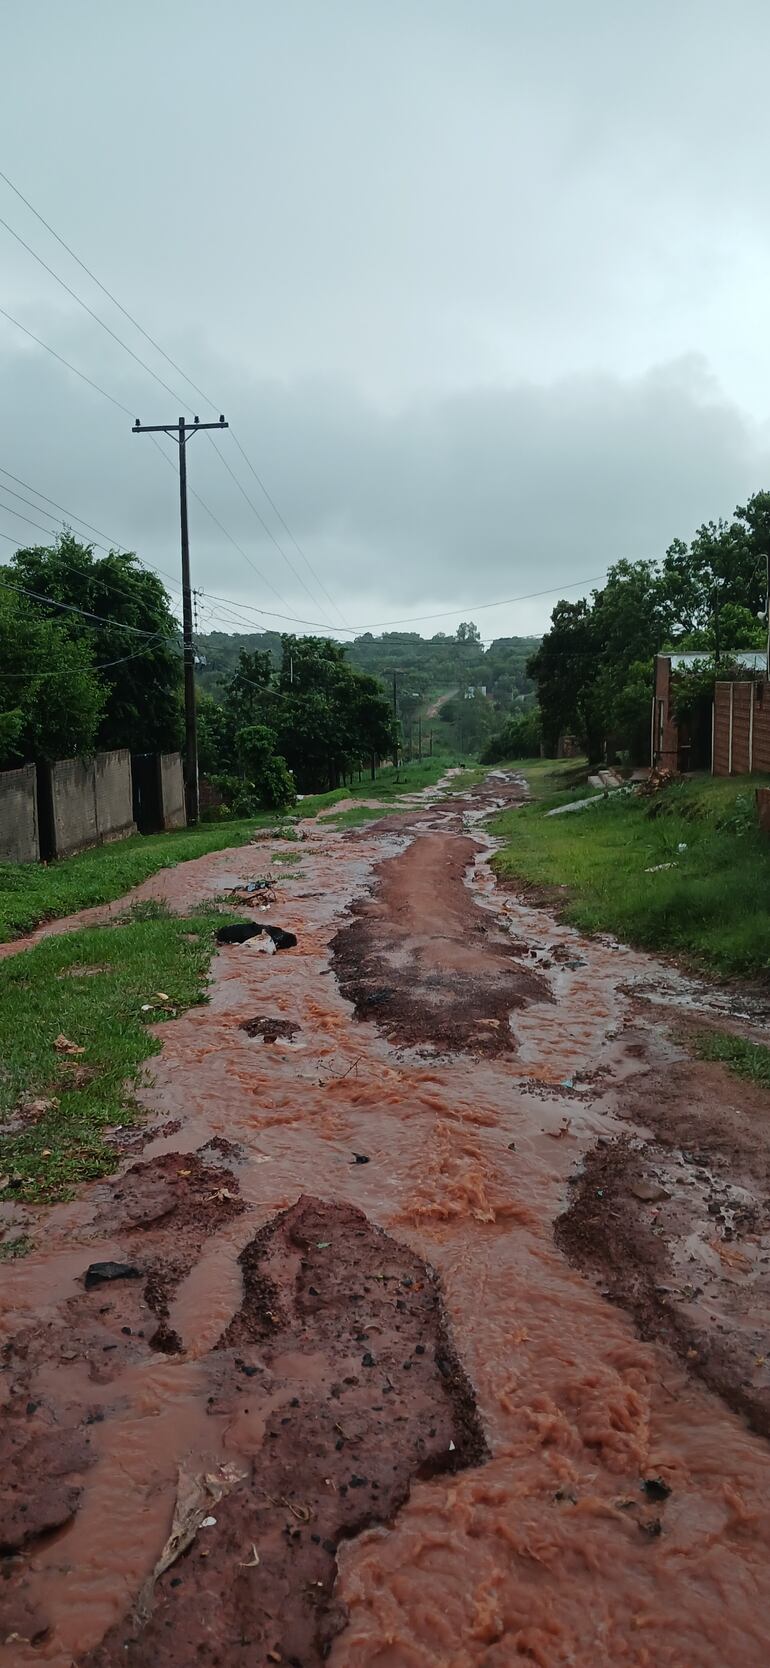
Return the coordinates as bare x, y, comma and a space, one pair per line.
251, 1563
195, 1496
46, 1153
731, 1256
64, 1046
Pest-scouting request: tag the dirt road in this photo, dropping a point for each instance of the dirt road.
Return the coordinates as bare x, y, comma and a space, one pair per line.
447, 1342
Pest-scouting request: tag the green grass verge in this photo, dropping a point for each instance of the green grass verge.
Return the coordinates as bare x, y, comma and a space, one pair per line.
89, 987
745, 1059
711, 905
33, 892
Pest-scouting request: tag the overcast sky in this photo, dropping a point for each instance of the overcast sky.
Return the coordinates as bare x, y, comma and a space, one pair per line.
482, 286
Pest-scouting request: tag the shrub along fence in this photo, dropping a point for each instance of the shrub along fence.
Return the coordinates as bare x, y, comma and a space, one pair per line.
55, 810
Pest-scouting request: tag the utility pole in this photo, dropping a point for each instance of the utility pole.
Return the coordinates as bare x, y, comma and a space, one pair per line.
395, 721
180, 432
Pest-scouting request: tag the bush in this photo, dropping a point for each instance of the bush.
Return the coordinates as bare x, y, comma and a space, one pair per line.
519, 738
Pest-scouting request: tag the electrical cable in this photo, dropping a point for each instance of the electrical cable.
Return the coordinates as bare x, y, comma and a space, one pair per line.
71, 608
164, 355
63, 361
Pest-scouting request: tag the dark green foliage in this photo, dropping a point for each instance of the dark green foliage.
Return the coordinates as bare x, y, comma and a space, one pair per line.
519, 738
140, 681
51, 699
306, 728
595, 667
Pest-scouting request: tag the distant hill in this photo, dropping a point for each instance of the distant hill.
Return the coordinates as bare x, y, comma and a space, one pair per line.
427, 665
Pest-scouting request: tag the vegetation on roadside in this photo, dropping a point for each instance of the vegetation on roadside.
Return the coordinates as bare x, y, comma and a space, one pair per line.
594, 667
31, 892
686, 871
745, 1059
74, 1016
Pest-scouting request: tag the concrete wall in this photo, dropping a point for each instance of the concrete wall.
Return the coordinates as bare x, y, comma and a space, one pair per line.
19, 835
741, 728
90, 801
172, 790
112, 790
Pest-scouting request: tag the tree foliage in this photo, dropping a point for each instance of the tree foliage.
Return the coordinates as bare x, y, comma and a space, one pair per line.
594, 669
312, 721
51, 699
119, 601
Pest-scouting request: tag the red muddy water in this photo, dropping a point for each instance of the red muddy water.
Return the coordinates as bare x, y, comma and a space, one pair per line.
622, 1514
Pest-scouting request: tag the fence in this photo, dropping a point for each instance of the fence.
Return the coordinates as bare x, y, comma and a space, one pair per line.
741, 728
55, 810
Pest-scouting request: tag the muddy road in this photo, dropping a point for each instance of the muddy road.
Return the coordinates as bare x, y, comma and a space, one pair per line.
441, 1333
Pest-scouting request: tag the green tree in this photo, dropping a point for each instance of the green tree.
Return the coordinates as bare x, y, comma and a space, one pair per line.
142, 678
51, 698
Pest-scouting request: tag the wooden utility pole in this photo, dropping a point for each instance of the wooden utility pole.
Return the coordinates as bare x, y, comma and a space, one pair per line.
180, 432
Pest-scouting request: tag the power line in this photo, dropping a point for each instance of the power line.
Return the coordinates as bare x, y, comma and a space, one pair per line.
31, 523
71, 608
263, 524
113, 545
65, 362
476, 607
90, 311
104, 289
287, 529
6, 677
164, 355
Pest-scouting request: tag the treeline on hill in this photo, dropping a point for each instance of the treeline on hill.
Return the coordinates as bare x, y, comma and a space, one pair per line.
423, 665
476, 686
594, 669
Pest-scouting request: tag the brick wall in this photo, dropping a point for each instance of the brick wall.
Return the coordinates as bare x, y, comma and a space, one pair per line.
741, 728
665, 730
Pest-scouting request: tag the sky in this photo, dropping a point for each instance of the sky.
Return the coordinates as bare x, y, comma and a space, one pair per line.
480, 286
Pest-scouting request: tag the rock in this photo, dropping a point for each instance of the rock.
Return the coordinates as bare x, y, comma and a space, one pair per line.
98, 1274
650, 1193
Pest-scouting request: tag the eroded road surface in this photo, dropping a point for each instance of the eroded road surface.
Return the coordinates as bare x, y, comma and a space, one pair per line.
441, 1339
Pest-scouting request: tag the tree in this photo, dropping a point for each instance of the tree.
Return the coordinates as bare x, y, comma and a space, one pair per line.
51, 698
565, 668
142, 676
519, 738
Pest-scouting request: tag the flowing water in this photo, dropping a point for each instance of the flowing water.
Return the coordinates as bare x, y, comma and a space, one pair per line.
551, 1551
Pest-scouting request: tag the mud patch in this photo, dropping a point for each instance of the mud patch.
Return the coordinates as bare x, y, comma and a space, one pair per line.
341, 1386
683, 1246
425, 963
269, 1029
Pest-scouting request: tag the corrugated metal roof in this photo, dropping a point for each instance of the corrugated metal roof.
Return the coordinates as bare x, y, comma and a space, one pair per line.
753, 659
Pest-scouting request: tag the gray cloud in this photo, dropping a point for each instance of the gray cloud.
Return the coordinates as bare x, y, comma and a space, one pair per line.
477, 285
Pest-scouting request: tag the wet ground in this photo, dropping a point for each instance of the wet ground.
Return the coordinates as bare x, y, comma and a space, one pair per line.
446, 1341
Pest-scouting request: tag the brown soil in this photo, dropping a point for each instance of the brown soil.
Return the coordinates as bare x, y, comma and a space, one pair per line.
620, 1514
340, 1385
424, 962
678, 1228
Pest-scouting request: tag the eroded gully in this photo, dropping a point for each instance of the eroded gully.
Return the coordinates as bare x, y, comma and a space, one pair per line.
475, 1052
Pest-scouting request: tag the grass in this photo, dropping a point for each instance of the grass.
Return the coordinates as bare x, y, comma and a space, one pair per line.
89, 987
33, 892
709, 905
745, 1059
